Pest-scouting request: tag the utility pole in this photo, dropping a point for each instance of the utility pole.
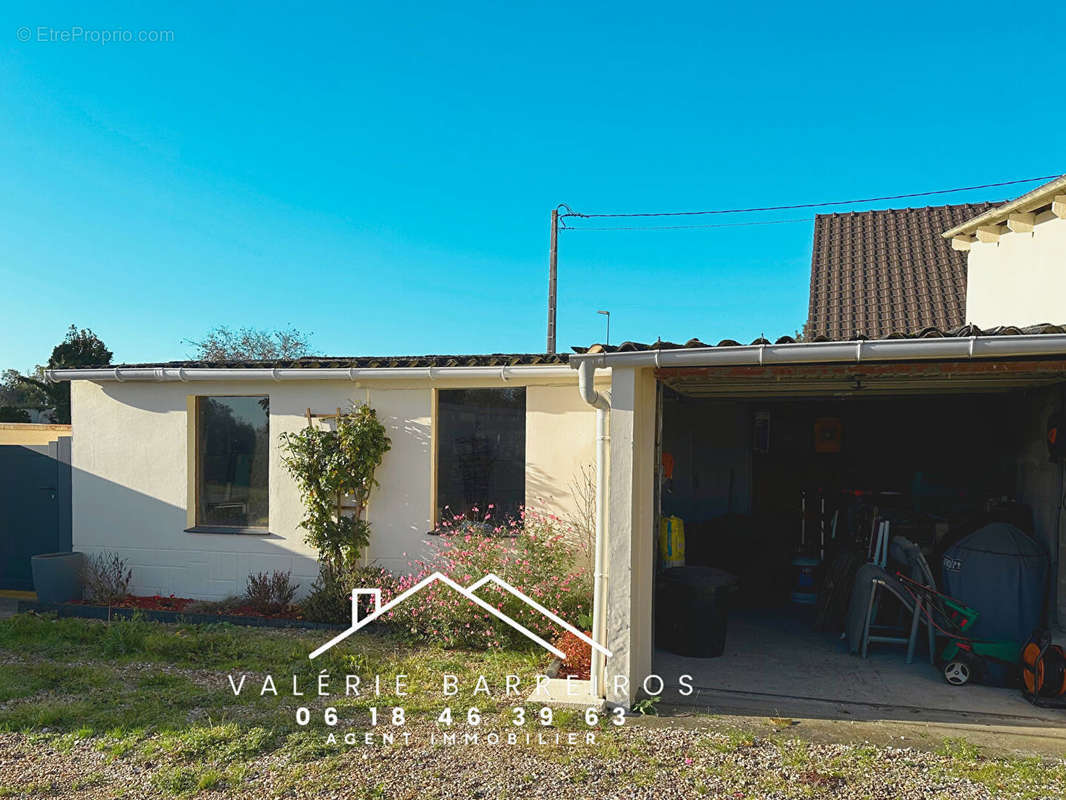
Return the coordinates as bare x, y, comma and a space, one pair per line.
553, 276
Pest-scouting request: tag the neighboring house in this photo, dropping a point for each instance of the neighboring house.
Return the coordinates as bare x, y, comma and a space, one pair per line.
177, 466
876, 273
1016, 258
34, 497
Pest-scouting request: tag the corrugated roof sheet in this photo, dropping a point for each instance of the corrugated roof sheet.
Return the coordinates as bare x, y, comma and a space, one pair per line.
925, 333
370, 362
876, 273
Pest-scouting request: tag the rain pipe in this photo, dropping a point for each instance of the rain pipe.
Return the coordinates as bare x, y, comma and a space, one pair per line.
586, 376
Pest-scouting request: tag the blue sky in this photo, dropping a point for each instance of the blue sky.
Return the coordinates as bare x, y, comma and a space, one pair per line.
381, 174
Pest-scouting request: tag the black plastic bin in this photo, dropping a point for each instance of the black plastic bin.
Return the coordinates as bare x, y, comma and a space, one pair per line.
691, 609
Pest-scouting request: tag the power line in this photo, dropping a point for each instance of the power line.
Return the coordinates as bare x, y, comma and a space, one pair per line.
805, 205
689, 227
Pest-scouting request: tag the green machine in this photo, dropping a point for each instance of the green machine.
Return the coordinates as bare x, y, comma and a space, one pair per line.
964, 659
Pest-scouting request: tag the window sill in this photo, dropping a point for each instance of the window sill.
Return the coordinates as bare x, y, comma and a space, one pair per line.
224, 529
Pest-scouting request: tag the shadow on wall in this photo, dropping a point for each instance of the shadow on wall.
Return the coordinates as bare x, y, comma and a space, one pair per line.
570, 500
400, 508
146, 400
165, 559
150, 532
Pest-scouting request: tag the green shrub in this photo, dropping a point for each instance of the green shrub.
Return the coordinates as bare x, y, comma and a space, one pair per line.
329, 465
330, 598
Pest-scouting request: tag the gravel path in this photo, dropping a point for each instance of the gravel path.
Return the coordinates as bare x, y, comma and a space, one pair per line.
636, 762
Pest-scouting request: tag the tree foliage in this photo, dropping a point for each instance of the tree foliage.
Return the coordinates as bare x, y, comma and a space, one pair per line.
222, 343
18, 398
79, 348
331, 465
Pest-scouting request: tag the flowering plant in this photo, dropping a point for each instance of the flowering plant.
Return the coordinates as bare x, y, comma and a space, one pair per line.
529, 551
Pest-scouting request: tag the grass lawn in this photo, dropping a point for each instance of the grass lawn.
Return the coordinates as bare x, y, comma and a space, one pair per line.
140, 709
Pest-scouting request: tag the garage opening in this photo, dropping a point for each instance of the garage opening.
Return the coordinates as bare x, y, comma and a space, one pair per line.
781, 494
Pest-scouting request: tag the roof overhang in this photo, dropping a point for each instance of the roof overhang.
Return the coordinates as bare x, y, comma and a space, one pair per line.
1051, 194
897, 366
862, 350
430, 374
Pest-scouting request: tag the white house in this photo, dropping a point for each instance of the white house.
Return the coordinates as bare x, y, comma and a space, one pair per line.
196, 507
1016, 259
952, 421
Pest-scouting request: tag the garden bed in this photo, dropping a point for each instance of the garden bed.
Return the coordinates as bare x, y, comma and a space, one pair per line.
154, 602
578, 661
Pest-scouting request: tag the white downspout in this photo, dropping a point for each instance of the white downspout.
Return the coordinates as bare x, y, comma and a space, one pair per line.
586, 374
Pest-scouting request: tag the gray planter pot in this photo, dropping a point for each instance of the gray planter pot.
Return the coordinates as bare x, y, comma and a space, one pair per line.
58, 577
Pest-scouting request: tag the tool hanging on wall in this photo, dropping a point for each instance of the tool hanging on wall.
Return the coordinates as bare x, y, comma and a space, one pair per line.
1056, 438
828, 435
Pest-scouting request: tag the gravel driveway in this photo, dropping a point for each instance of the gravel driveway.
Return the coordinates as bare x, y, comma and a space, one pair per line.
636, 762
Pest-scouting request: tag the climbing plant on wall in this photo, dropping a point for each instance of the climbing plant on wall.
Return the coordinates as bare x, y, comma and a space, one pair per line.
334, 470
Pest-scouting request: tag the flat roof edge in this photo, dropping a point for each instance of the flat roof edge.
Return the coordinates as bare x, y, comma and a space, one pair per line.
946, 348
184, 374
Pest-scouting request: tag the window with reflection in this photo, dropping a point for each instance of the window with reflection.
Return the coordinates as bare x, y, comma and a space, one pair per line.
481, 450
232, 461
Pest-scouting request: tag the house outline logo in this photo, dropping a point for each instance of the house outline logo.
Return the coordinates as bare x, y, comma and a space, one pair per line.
467, 592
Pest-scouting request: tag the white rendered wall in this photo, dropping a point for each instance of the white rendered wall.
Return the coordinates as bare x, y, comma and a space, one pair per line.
131, 477
560, 441
1019, 279
630, 533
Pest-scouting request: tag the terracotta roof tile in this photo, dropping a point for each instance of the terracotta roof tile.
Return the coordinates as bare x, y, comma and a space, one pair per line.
876, 273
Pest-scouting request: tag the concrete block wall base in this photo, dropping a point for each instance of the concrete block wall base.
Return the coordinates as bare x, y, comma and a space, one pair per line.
563, 693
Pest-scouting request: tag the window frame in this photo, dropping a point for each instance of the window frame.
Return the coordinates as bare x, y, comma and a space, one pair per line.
436, 507
194, 472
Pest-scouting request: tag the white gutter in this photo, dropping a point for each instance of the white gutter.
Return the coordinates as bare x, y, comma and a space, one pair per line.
163, 374
586, 376
970, 347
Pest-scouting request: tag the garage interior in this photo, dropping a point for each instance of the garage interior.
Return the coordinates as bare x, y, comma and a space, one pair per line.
782, 477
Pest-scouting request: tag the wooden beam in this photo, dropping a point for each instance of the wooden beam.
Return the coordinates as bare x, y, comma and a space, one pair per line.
988, 233
961, 242
1058, 206
1021, 223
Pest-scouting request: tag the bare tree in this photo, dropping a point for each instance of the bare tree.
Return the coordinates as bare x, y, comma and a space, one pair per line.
222, 343
583, 517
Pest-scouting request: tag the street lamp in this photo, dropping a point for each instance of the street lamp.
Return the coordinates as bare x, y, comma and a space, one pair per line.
607, 314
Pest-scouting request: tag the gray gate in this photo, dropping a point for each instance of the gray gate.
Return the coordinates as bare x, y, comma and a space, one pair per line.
34, 507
